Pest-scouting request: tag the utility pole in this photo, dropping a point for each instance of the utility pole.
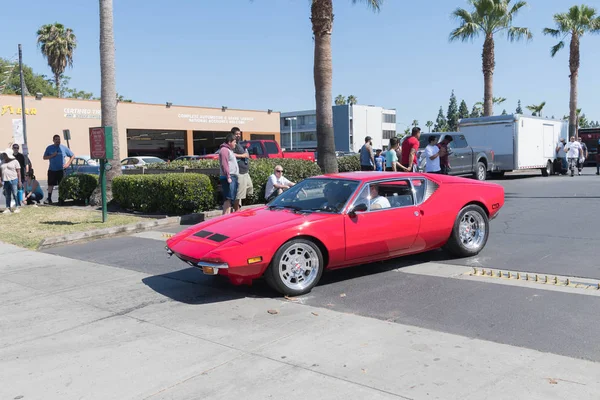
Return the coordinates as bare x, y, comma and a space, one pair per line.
25, 149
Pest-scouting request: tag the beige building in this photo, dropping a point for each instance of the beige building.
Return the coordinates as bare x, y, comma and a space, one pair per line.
163, 130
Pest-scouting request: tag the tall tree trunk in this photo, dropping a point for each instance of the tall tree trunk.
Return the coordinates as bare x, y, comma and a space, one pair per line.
574, 68
322, 23
108, 91
57, 82
488, 75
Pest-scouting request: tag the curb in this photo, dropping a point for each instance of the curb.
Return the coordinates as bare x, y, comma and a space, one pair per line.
106, 232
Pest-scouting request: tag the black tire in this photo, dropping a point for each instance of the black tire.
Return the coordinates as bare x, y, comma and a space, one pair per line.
480, 171
549, 170
455, 245
278, 267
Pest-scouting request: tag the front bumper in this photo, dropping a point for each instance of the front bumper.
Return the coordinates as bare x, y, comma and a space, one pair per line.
208, 268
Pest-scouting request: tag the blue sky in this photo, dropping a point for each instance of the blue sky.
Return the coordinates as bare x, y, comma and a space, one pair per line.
259, 55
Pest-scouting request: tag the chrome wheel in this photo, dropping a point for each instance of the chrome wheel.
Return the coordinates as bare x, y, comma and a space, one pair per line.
481, 172
299, 266
472, 230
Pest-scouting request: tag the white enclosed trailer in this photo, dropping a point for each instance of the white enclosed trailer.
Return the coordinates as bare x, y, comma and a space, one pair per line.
519, 142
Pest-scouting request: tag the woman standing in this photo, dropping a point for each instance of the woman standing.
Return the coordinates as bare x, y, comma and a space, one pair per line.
11, 176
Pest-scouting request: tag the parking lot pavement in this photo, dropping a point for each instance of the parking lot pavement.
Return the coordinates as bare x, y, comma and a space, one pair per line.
73, 329
524, 238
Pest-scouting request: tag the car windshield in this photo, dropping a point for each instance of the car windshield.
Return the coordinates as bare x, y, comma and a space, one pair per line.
317, 195
152, 160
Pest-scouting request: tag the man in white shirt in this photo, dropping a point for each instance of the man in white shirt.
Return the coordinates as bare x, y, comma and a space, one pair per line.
377, 201
432, 156
573, 150
277, 183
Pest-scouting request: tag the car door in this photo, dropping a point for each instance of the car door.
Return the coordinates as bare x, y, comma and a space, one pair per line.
385, 232
460, 159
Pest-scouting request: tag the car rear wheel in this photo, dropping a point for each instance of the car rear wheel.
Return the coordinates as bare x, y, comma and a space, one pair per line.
470, 232
480, 171
296, 268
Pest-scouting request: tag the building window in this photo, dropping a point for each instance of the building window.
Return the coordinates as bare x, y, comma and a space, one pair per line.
389, 134
389, 118
308, 136
286, 122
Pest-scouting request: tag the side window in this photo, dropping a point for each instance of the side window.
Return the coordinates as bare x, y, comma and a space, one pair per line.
459, 142
419, 186
271, 148
255, 149
391, 194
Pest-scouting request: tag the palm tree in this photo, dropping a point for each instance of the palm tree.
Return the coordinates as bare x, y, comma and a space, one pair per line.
536, 109
340, 100
488, 18
578, 21
429, 124
415, 122
352, 100
57, 45
322, 26
109, 87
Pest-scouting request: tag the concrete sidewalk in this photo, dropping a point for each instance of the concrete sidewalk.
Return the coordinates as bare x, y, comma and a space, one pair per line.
77, 330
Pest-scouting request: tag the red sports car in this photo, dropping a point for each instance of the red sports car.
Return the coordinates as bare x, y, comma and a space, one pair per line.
339, 220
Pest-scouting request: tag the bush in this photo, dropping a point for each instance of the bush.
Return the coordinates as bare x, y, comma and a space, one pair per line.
349, 163
78, 187
168, 193
260, 170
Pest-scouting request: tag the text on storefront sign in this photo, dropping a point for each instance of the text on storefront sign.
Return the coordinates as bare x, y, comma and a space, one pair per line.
17, 111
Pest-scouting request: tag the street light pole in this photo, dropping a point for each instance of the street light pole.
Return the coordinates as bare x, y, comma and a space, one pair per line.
291, 132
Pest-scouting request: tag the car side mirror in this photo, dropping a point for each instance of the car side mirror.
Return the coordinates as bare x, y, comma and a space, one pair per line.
362, 207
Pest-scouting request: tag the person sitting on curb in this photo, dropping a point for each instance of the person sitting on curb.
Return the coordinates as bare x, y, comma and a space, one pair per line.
33, 190
276, 184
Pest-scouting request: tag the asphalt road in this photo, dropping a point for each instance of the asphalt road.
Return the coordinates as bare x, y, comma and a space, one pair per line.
546, 226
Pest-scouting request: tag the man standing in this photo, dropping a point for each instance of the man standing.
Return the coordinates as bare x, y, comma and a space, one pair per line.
561, 155
21, 159
584, 155
444, 161
367, 161
228, 172
432, 156
57, 153
573, 150
409, 150
245, 187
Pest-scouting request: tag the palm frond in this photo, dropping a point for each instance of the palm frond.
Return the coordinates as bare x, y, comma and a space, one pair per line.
552, 32
555, 49
375, 5
515, 33
465, 32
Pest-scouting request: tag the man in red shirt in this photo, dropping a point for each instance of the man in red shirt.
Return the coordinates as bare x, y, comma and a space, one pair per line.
409, 150
444, 162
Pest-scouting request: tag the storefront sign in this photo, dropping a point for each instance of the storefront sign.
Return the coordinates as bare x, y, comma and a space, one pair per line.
82, 113
18, 131
216, 119
17, 111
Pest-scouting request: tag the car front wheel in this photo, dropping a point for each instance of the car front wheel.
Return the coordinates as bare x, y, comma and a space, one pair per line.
470, 232
296, 268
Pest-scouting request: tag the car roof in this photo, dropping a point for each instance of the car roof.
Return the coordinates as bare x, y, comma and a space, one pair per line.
367, 176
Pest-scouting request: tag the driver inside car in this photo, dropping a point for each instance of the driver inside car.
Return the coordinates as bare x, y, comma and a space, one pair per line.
377, 201
333, 196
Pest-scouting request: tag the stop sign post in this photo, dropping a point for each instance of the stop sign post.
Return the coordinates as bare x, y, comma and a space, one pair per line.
101, 147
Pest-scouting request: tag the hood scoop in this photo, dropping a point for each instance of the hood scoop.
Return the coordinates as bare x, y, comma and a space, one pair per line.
215, 237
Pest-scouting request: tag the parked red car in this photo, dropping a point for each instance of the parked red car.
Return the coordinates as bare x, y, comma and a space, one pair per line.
267, 149
340, 220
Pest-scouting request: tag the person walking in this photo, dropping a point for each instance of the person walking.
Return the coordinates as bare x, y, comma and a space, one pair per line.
56, 154
584, 156
573, 150
228, 172
367, 161
11, 178
245, 186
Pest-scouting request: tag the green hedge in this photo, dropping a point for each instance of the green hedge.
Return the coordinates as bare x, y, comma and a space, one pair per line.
78, 187
260, 170
349, 163
168, 193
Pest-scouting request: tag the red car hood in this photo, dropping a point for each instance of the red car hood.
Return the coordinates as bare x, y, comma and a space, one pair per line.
218, 232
